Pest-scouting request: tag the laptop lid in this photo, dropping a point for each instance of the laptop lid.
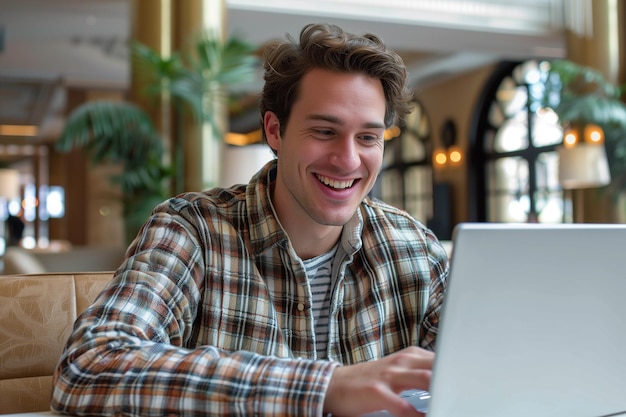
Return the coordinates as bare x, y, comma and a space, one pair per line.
533, 323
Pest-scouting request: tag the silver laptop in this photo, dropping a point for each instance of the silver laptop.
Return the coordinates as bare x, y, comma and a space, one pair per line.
534, 323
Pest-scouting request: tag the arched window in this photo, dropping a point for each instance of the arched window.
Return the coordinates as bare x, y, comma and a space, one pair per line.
406, 179
514, 151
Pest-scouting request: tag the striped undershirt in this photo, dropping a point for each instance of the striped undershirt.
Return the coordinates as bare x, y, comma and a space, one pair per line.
318, 272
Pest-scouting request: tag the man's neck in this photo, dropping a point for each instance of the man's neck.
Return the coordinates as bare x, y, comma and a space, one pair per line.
309, 244
308, 238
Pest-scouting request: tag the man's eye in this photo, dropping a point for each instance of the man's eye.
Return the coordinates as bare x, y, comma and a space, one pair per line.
324, 132
370, 138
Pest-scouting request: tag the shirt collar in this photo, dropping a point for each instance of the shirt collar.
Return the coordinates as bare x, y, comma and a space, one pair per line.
265, 229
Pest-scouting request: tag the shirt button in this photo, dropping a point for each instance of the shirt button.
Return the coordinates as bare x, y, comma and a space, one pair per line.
300, 307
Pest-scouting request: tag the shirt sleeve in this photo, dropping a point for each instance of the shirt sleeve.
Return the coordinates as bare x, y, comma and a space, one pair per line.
439, 270
127, 354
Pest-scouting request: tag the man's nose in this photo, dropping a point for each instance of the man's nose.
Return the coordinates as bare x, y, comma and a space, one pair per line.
345, 153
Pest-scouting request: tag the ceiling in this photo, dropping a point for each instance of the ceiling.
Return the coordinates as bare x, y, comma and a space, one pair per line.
47, 45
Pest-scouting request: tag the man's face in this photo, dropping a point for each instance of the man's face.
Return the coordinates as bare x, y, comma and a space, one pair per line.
331, 150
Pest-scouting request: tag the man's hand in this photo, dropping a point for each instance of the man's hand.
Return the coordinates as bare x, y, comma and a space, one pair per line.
367, 387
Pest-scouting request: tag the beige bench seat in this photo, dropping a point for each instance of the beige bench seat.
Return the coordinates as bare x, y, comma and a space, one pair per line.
38, 312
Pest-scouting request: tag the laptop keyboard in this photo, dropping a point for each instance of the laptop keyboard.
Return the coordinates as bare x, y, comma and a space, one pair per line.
418, 398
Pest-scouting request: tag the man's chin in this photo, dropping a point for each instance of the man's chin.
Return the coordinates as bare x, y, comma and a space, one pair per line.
338, 220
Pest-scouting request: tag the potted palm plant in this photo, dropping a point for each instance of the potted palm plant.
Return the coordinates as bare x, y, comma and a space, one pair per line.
123, 133
581, 94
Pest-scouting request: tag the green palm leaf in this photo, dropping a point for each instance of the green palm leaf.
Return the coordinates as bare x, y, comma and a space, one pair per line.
117, 132
153, 69
593, 109
208, 70
582, 94
578, 79
122, 133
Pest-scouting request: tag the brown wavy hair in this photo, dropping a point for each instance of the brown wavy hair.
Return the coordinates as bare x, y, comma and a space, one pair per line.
327, 46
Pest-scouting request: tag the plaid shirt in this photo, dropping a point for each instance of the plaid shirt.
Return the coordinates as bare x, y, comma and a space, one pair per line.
210, 314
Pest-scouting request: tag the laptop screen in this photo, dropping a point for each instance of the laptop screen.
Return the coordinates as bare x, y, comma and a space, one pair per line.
534, 322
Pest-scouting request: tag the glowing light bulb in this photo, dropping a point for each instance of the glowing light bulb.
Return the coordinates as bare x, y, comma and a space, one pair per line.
440, 158
570, 139
594, 134
455, 155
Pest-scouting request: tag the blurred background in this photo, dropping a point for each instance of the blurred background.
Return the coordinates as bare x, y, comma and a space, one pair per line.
485, 141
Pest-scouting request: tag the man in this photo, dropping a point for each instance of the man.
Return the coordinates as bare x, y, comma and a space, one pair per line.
295, 295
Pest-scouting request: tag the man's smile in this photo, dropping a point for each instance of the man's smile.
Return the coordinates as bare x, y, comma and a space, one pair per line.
336, 184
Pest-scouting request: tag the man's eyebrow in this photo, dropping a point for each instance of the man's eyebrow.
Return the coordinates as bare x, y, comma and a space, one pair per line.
336, 120
325, 118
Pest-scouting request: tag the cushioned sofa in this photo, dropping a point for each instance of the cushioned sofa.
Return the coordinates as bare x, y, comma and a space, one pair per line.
37, 314
18, 260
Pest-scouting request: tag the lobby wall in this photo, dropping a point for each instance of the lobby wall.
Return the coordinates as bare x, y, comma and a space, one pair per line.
455, 99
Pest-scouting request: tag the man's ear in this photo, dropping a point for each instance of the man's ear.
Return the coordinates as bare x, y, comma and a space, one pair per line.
272, 130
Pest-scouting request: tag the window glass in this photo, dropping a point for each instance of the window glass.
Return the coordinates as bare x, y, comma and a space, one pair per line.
546, 128
418, 191
511, 97
521, 168
391, 186
496, 115
406, 178
512, 135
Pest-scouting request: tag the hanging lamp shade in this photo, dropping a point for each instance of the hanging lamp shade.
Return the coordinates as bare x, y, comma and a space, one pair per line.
583, 166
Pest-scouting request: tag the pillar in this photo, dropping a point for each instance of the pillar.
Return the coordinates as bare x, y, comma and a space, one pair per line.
167, 26
151, 22
202, 143
596, 38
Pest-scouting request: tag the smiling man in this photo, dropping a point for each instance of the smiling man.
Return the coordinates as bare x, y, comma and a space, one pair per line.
333, 147
293, 295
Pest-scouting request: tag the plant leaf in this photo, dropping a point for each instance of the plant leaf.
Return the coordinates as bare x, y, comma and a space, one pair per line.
117, 132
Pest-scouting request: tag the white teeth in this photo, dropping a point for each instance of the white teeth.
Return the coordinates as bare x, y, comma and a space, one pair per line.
335, 183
